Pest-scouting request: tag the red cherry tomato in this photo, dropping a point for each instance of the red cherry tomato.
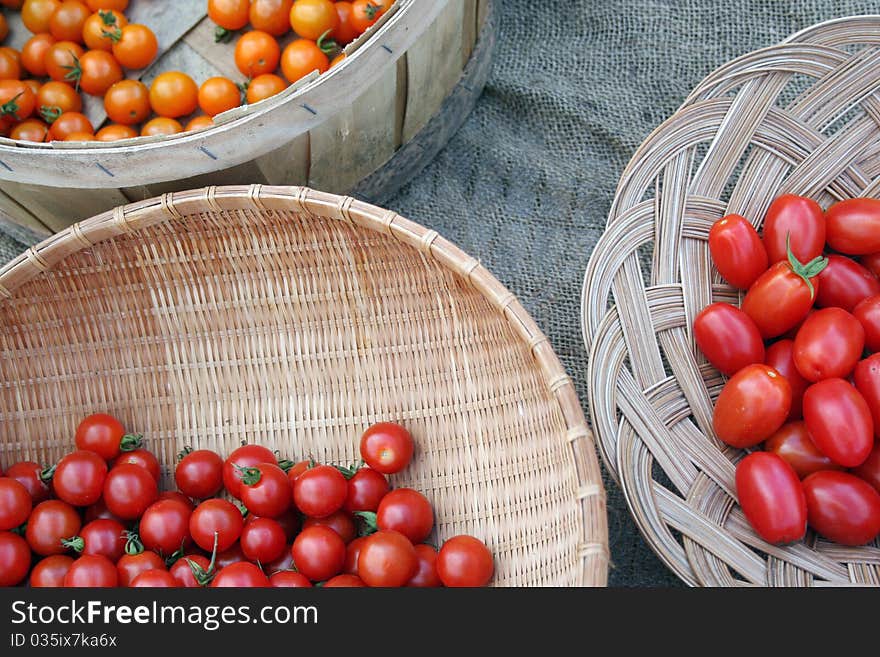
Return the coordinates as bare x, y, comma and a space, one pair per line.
465, 561
50, 572
871, 262
245, 456
164, 527
340, 522
177, 497
352, 552
388, 559
844, 283
298, 469
829, 345
143, 459
799, 219
752, 406
839, 421
199, 474
217, 516
129, 490
387, 447
780, 356
318, 553
320, 491
344, 581
230, 556
867, 381
870, 469
51, 522
853, 226
728, 338
771, 497
793, 444
263, 540
289, 579
104, 434
15, 504
154, 579
241, 575
92, 571
99, 510
737, 251
265, 490
868, 314
132, 565
104, 537
185, 569
289, 522
426, 575
15, 559
284, 562
406, 511
842, 508
30, 475
79, 478
365, 490
782, 296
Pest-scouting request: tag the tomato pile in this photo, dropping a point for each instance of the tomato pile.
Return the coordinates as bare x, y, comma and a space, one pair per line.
803, 356
98, 519
87, 46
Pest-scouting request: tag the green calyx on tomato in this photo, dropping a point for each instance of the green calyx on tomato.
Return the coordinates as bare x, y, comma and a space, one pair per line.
173, 558
76, 543
47, 474
327, 46
131, 442
249, 476
368, 522
21, 530
133, 543
371, 10
182, 454
10, 107
222, 35
50, 113
805, 271
74, 71
351, 470
204, 576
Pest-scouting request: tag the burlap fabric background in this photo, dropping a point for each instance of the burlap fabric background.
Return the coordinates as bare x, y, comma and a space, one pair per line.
527, 183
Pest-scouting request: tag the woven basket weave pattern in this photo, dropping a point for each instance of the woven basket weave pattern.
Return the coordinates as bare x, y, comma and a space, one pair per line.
802, 117
296, 319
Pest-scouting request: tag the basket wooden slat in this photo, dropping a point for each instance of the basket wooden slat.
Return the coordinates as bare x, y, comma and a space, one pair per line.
800, 117
297, 318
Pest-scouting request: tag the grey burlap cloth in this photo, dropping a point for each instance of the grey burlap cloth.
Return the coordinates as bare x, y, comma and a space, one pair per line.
527, 183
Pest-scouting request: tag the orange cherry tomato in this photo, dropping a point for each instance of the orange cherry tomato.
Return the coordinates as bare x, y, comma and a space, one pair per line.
229, 14
365, 13
33, 52
37, 14
257, 53
4, 28
33, 84
199, 123
344, 32
174, 94
68, 21
10, 68
271, 16
12, 4
302, 57
218, 95
161, 126
118, 5
312, 18
68, 124
137, 47
80, 136
62, 61
103, 28
115, 132
264, 86
127, 102
99, 71
17, 101
56, 98
338, 59
30, 130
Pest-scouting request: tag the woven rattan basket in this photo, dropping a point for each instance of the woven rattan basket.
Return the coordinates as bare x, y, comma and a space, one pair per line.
801, 117
296, 319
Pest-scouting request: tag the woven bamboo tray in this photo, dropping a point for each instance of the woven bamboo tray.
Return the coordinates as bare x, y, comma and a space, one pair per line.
297, 318
366, 127
801, 117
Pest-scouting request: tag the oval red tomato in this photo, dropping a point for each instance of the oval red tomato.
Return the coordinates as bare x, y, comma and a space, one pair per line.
771, 497
871, 262
839, 421
844, 283
853, 226
868, 314
870, 469
753, 404
728, 338
737, 251
829, 345
780, 356
842, 508
793, 444
782, 296
867, 381
799, 219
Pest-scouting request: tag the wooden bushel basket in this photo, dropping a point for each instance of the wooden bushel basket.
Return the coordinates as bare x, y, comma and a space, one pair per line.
365, 127
296, 319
